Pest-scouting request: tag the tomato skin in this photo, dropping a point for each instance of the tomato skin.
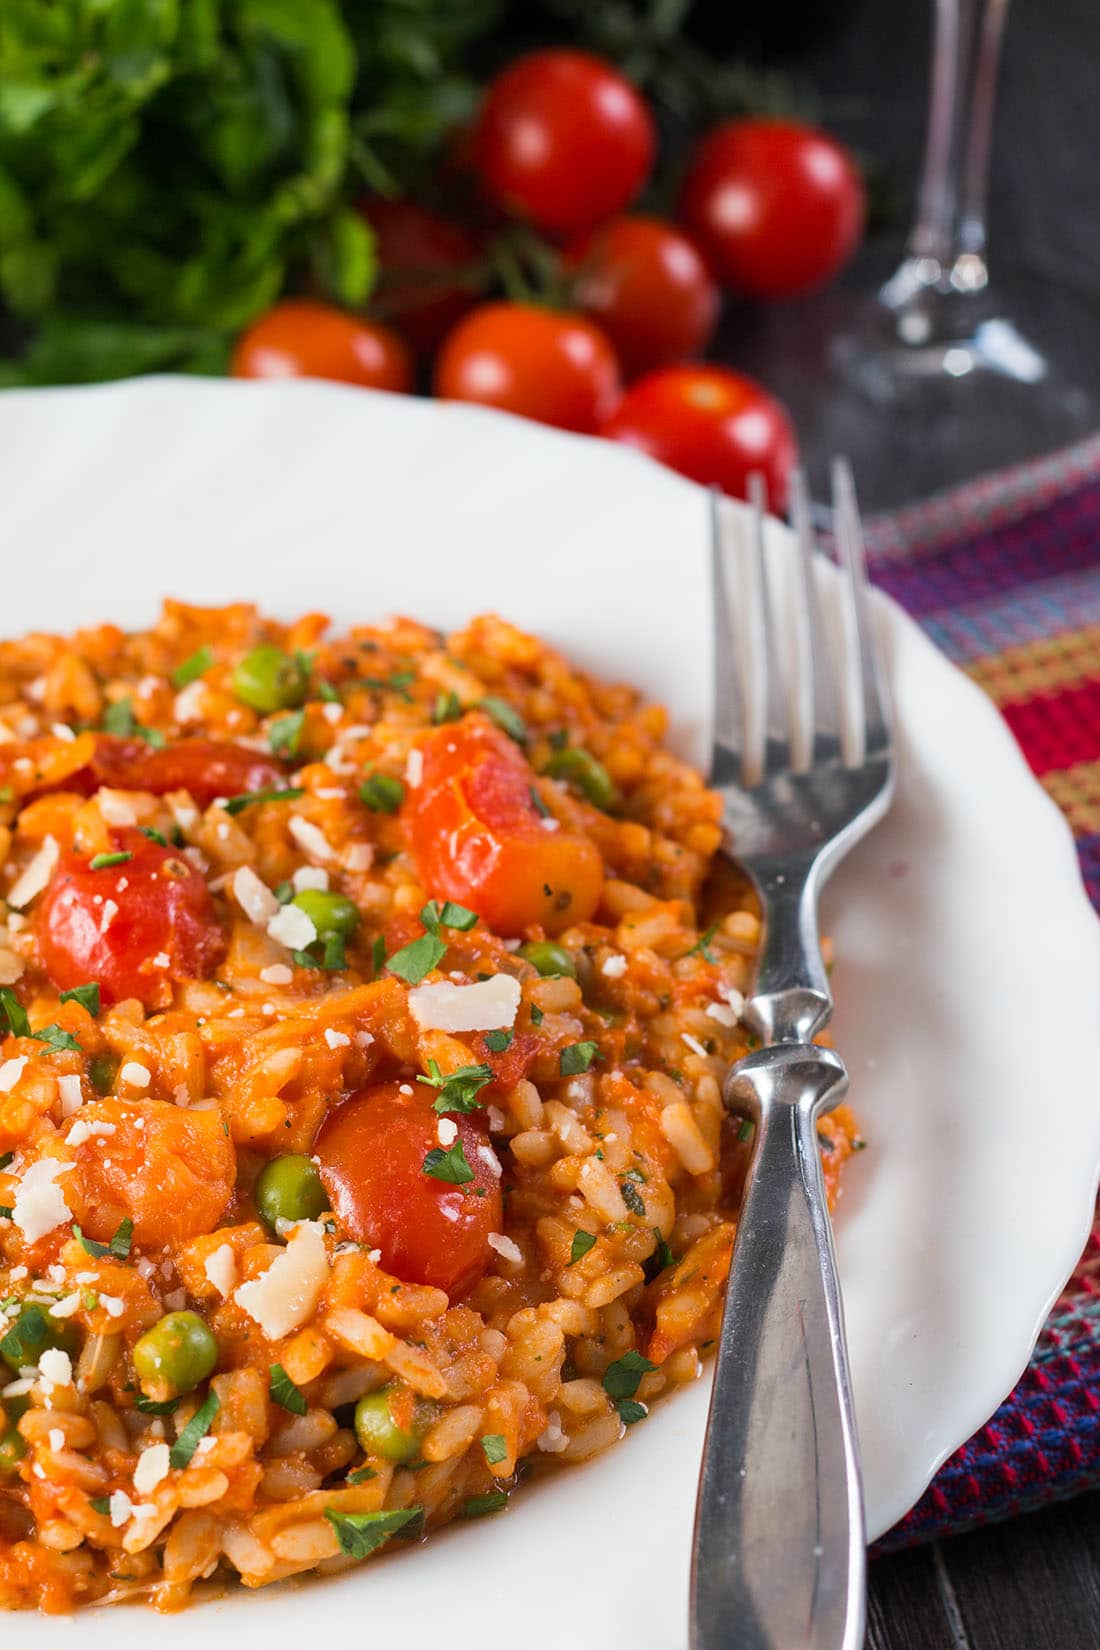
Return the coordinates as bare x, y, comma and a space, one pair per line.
648, 286
417, 250
303, 339
477, 837
558, 369
713, 425
563, 140
372, 1150
163, 906
205, 767
777, 206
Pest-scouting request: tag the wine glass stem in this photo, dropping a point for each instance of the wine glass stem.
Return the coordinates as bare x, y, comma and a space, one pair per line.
946, 248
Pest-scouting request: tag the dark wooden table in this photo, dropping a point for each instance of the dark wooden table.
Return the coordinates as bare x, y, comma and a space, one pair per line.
1032, 1583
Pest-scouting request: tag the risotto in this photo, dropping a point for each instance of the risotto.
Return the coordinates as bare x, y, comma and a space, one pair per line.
365, 1002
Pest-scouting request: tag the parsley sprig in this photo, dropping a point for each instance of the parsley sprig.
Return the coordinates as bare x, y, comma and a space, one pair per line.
459, 1090
420, 956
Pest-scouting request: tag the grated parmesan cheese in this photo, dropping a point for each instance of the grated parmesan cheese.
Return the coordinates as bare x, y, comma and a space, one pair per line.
39, 1204
613, 968
276, 974
309, 876
337, 1039
151, 1469
414, 768
221, 1269
310, 838
446, 1131
505, 1248
56, 1367
36, 875
119, 1506
487, 1005
81, 1131
115, 806
134, 1073
11, 1071
254, 897
723, 1013
292, 927
283, 1297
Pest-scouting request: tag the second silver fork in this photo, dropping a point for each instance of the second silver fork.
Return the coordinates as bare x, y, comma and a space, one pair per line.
779, 1550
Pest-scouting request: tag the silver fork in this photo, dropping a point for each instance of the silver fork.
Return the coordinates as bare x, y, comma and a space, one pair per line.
779, 1548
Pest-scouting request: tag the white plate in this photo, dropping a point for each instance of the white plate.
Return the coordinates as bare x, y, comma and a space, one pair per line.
969, 971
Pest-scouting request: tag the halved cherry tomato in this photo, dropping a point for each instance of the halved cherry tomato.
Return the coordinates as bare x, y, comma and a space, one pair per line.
205, 767
647, 285
711, 424
563, 140
303, 339
478, 838
558, 369
426, 266
372, 1151
777, 206
134, 927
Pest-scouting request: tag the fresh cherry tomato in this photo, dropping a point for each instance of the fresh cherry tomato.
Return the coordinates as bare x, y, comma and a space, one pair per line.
303, 339
558, 369
710, 424
372, 1152
563, 140
135, 927
478, 838
205, 767
426, 265
777, 206
647, 285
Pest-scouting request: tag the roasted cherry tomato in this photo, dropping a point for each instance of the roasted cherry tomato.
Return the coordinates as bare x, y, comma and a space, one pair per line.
303, 339
647, 284
134, 926
372, 1151
204, 767
558, 369
777, 206
479, 839
710, 424
427, 270
563, 140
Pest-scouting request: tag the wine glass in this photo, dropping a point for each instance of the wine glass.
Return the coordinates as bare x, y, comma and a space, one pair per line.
931, 382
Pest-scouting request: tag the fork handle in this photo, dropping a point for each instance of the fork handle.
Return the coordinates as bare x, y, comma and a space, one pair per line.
779, 1552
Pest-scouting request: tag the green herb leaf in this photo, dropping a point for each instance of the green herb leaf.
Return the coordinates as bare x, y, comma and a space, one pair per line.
362, 1475
378, 953
622, 1378
86, 995
101, 1504
418, 958
119, 719
5, 1212
237, 804
284, 1392
154, 1406
477, 1506
538, 804
447, 708
577, 1057
450, 1165
745, 1130
119, 1246
56, 1038
457, 1092
702, 945
361, 1534
497, 1041
494, 1448
382, 793
630, 1410
7, 1159
103, 862
399, 683
14, 1013
194, 667
536, 1015
29, 1335
632, 1197
507, 719
582, 1242
154, 835
193, 1433
284, 736
328, 693
448, 915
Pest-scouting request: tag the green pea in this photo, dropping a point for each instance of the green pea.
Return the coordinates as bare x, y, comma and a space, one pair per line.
269, 679
12, 1450
289, 1188
329, 913
31, 1332
379, 1434
176, 1354
581, 769
548, 958
102, 1070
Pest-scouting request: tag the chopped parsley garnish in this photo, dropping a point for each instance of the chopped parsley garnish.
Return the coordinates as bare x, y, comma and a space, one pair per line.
7, 1159
155, 1406
382, 793
378, 953
361, 1534
154, 835
284, 736
103, 862
457, 1092
582, 1242
577, 1057
56, 1037
284, 1392
331, 955
494, 1448
5, 1212
194, 1432
447, 708
632, 1197
119, 1246
328, 693
450, 1165
507, 719
86, 995
701, 947
477, 1506
536, 1015
744, 1129
362, 1475
29, 1335
419, 957
14, 1012
497, 1041
662, 1256
623, 1377
237, 804
119, 719
100, 1504
538, 804
449, 915
630, 1410
194, 667
399, 682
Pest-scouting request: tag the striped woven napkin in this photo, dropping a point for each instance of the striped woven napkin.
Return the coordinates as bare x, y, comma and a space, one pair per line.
1004, 576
